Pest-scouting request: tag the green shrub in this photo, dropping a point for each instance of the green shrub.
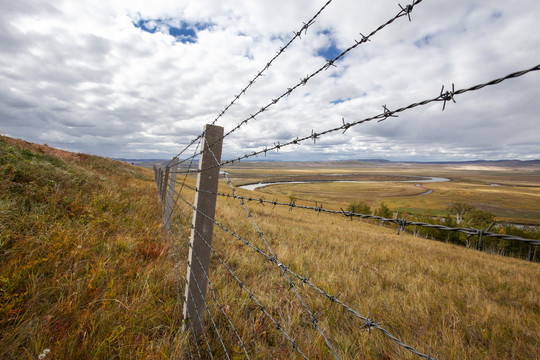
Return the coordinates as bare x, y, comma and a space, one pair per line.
359, 207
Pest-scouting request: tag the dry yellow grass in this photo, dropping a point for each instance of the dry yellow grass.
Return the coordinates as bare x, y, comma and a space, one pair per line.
458, 302
87, 273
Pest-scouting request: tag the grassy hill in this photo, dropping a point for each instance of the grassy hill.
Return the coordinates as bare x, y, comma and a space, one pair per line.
86, 272
83, 267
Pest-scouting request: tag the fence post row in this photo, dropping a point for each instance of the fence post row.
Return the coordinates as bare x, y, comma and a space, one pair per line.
202, 229
170, 196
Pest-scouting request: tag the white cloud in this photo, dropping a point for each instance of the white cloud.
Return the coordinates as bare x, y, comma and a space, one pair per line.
82, 76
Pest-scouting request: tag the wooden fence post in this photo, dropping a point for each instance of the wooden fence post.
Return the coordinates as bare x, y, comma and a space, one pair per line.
170, 196
155, 173
159, 178
203, 226
164, 184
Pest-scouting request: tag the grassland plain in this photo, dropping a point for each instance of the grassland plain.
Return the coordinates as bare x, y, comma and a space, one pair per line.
510, 190
86, 272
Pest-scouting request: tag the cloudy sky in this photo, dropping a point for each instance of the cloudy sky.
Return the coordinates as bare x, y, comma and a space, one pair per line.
139, 79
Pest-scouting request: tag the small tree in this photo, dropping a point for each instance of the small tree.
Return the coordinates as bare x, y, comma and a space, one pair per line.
383, 211
359, 207
479, 218
459, 210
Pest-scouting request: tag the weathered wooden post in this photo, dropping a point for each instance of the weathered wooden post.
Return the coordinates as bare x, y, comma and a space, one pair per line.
164, 183
160, 177
203, 226
155, 173
169, 205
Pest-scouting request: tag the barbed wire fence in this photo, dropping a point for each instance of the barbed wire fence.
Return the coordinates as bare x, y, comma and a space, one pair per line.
224, 335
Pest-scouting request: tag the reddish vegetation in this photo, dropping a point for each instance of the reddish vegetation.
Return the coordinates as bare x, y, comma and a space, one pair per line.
45, 149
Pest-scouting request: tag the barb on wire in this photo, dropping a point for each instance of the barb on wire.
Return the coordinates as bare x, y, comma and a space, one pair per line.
447, 96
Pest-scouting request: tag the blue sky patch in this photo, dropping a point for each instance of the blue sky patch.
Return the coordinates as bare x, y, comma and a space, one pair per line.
183, 32
331, 51
339, 101
145, 26
424, 41
496, 14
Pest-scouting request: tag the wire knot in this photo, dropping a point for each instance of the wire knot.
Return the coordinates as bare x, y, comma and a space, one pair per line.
447, 96
386, 114
314, 136
407, 10
329, 64
314, 320
345, 125
369, 324
334, 298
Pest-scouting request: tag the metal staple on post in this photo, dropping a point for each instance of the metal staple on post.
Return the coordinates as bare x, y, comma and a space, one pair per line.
202, 230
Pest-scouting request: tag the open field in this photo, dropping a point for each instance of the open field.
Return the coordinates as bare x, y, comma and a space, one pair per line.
425, 291
86, 272
510, 190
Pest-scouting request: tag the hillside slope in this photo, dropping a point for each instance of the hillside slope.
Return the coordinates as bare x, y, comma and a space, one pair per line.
83, 270
86, 273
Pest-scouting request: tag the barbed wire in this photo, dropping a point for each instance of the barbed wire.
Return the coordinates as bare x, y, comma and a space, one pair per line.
368, 323
297, 35
263, 238
233, 274
387, 113
402, 223
292, 277
206, 308
212, 290
209, 282
405, 11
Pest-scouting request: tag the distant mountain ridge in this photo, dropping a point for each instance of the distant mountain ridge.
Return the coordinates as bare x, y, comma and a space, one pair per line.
506, 162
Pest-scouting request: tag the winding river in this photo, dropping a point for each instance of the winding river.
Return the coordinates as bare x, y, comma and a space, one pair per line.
425, 180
